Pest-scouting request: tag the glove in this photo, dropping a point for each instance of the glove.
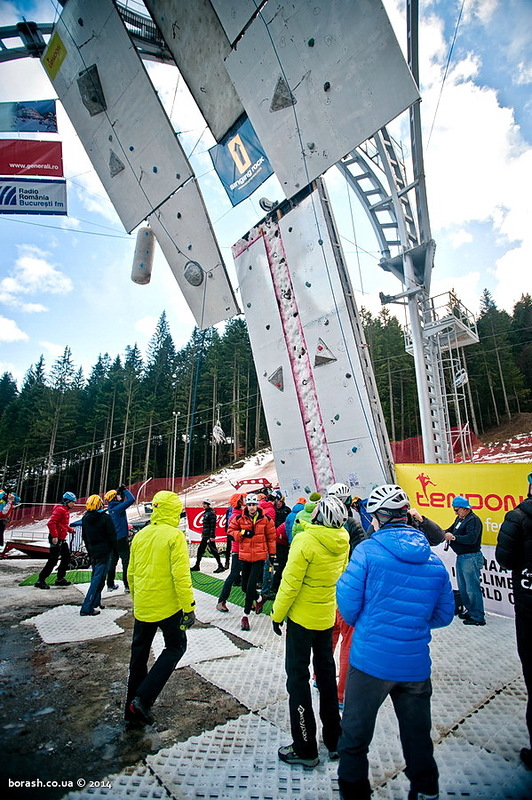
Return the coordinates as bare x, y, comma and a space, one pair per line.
188, 620
248, 534
277, 628
121, 490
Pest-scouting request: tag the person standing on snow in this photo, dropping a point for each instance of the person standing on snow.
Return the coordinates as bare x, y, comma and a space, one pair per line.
465, 538
514, 552
306, 596
161, 590
8, 502
118, 501
58, 530
394, 591
99, 535
255, 534
208, 538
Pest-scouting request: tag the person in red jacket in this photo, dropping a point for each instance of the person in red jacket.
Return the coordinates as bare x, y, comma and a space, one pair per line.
59, 528
255, 533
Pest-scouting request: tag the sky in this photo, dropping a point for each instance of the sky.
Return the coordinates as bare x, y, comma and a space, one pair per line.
66, 280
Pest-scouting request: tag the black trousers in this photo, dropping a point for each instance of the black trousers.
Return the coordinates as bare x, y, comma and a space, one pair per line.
523, 633
301, 645
251, 575
123, 555
210, 545
149, 685
236, 566
411, 701
61, 550
281, 557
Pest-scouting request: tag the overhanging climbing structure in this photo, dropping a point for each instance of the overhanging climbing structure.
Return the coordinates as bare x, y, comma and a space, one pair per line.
316, 381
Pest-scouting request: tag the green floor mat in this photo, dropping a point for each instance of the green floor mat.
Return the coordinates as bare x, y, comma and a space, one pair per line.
211, 585
73, 575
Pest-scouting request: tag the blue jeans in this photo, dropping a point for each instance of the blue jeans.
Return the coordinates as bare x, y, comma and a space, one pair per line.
411, 701
468, 566
93, 598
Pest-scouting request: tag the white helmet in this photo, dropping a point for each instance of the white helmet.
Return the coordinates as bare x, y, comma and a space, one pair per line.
209, 502
339, 490
332, 510
387, 498
252, 498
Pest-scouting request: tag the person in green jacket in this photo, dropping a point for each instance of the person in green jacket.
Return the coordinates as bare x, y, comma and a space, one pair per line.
307, 598
161, 590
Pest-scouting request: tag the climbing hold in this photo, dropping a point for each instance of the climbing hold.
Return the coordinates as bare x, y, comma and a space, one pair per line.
278, 423
311, 42
154, 169
307, 284
337, 417
354, 449
248, 305
308, 489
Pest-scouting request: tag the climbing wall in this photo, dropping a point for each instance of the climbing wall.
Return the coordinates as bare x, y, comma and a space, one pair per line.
105, 90
315, 377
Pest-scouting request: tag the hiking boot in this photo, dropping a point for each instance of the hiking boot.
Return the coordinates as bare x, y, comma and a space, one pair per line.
93, 613
195, 568
113, 587
63, 582
464, 615
221, 607
334, 755
140, 711
41, 585
289, 756
259, 603
244, 624
470, 621
219, 568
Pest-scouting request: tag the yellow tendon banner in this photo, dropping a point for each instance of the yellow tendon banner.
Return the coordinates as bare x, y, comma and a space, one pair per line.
492, 490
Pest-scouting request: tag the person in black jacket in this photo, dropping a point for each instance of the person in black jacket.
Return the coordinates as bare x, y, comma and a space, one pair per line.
208, 540
99, 535
465, 537
514, 552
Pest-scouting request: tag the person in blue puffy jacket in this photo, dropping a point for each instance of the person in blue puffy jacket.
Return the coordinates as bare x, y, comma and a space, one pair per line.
394, 591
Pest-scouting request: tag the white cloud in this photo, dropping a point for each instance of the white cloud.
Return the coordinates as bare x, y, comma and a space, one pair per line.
10, 331
146, 325
460, 237
54, 350
32, 274
524, 74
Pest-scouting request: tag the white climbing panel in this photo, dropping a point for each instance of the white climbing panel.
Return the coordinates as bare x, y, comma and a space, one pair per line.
309, 353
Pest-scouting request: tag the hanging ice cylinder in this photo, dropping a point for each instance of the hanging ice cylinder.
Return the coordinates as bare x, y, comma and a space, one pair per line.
143, 258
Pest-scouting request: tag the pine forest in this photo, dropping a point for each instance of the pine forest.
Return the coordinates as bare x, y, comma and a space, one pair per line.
190, 411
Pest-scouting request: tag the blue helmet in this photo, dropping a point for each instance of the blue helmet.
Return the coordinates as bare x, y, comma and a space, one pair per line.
69, 497
461, 502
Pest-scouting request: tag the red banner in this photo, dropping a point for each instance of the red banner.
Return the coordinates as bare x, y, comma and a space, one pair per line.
195, 523
31, 157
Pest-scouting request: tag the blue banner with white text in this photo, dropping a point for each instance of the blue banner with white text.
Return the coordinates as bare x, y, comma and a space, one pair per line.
240, 161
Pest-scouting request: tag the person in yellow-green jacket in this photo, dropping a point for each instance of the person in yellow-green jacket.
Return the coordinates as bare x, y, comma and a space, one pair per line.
307, 598
161, 590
